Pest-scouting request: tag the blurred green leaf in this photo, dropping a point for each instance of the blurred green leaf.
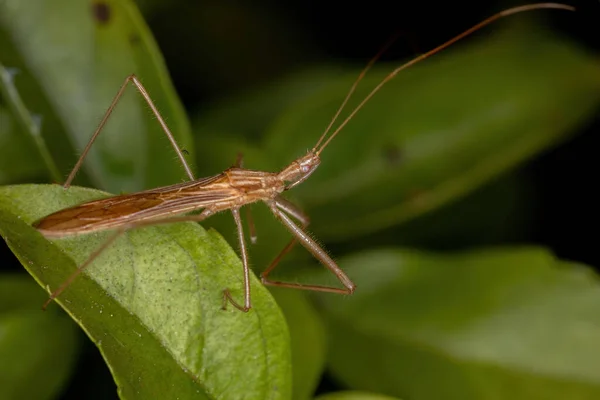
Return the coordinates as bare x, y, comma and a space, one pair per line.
354, 395
499, 323
497, 212
68, 73
152, 303
437, 131
307, 336
250, 113
29, 125
16, 164
38, 350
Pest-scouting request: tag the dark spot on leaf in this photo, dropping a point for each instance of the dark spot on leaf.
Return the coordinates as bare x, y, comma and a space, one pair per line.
134, 39
392, 154
416, 198
101, 11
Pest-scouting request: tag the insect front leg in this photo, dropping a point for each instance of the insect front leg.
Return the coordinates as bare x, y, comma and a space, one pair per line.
300, 216
279, 207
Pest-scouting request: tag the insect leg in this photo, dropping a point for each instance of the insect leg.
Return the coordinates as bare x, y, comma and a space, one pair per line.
244, 253
134, 225
300, 216
142, 90
239, 163
278, 207
80, 269
251, 226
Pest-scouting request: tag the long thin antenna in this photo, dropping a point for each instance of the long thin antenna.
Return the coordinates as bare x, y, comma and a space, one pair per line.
415, 60
355, 84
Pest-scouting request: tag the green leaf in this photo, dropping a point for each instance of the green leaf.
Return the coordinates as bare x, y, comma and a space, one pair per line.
16, 164
250, 113
438, 130
498, 323
71, 58
38, 350
152, 303
354, 395
498, 212
307, 340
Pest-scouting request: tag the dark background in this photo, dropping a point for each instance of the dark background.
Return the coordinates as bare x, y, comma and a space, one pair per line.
216, 48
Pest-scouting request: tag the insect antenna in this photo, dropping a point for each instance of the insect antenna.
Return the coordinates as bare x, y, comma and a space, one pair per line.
354, 85
501, 14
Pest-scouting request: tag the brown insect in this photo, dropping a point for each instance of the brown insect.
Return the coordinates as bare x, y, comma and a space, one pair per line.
229, 190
